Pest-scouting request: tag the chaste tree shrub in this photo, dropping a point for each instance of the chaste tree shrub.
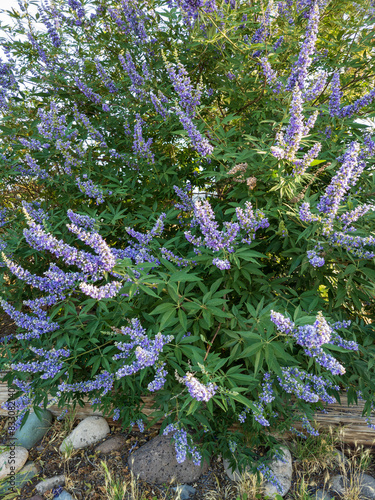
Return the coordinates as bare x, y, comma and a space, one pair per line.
186, 212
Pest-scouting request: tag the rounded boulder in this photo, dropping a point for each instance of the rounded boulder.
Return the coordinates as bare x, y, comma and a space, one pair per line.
155, 462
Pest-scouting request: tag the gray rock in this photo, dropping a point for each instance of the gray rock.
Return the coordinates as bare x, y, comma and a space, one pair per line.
64, 495
323, 495
33, 429
89, 431
12, 459
366, 483
50, 483
155, 462
367, 486
184, 491
341, 459
339, 483
36, 497
113, 444
283, 469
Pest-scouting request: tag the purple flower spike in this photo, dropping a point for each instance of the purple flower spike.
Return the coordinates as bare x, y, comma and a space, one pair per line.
197, 390
336, 95
300, 70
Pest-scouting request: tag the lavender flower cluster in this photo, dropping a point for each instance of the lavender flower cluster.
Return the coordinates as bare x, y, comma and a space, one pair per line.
306, 386
299, 71
266, 396
312, 337
146, 351
189, 97
191, 8
130, 19
179, 261
49, 368
105, 77
51, 29
140, 146
214, 239
7, 84
199, 142
335, 108
329, 206
185, 195
141, 251
182, 445
197, 390
160, 378
289, 143
88, 188
88, 92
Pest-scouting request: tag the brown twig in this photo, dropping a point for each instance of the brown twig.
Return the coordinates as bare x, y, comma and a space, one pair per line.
209, 345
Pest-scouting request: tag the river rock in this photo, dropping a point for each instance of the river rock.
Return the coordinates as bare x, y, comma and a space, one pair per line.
341, 484
17, 455
112, 444
49, 483
33, 429
89, 431
64, 495
283, 469
184, 491
155, 462
323, 495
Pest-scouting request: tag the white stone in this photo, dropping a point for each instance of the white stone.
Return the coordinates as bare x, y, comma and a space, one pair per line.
50, 483
12, 459
283, 470
90, 431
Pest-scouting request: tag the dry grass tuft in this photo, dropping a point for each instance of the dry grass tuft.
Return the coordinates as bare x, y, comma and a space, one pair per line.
116, 489
315, 455
248, 487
